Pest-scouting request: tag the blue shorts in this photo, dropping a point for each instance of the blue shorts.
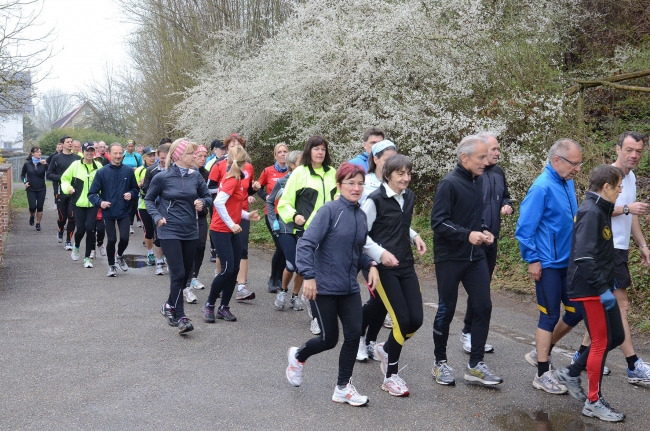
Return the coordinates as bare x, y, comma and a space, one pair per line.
551, 291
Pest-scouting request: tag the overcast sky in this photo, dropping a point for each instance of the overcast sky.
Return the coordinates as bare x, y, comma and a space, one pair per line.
87, 35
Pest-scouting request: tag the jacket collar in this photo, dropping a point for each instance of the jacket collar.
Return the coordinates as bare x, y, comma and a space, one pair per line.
600, 201
348, 203
466, 173
313, 172
553, 173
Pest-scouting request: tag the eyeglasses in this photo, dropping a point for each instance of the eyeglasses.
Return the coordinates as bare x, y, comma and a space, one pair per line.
353, 184
574, 164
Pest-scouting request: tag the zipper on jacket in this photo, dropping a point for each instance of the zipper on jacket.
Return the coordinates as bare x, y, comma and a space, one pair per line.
555, 245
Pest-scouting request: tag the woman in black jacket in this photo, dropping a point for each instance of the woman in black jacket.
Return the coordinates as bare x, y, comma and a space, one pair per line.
33, 176
329, 256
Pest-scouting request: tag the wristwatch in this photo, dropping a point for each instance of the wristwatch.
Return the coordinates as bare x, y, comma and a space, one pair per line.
626, 210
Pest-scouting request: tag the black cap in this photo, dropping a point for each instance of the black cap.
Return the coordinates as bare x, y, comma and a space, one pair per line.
148, 150
88, 146
217, 144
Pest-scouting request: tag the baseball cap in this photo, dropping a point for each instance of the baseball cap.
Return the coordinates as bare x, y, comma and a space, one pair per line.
217, 144
148, 150
88, 146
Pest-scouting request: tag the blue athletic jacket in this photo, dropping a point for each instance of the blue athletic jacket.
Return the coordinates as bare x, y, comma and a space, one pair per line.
110, 184
331, 250
545, 221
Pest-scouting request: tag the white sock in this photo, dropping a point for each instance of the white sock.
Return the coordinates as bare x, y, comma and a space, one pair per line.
150, 251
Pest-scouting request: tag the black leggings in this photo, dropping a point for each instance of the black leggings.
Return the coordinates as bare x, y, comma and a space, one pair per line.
229, 249
491, 257
328, 309
278, 261
85, 221
36, 199
100, 229
180, 258
66, 212
288, 244
400, 292
374, 313
200, 245
134, 209
476, 281
147, 223
244, 234
123, 226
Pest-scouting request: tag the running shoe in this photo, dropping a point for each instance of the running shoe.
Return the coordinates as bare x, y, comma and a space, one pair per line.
571, 383
443, 373
59, 236
208, 313
92, 254
395, 386
362, 353
87, 263
31, 220
159, 269
138, 223
549, 383
196, 284
225, 314
294, 369
121, 263
296, 304
75, 253
102, 250
576, 355
371, 350
272, 286
388, 322
349, 395
68, 245
314, 328
383, 357
280, 300
306, 301
184, 325
244, 294
481, 373
151, 259
640, 376
170, 313
602, 410
112, 271
188, 294
531, 358
213, 255
466, 339
38, 227
131, 231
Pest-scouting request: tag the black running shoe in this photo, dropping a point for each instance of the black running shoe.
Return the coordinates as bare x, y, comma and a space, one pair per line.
170, 313
38, 227
213, 255
31, 220
225, 314
208, 313
59, 236
272, 286
184, 325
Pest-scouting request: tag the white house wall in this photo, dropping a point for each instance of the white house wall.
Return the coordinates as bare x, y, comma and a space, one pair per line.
11, 131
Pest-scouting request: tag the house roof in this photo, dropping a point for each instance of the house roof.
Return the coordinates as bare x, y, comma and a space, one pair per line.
67, 118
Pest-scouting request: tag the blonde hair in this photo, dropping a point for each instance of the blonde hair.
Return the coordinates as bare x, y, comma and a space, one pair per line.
190, 148
237, 156
277, 147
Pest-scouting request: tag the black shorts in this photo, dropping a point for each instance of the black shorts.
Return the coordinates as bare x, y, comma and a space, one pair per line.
622, 278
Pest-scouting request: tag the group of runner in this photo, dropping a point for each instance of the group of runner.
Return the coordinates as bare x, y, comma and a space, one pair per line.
329, 224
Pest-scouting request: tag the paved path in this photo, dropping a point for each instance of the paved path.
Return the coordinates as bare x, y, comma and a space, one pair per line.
83, 351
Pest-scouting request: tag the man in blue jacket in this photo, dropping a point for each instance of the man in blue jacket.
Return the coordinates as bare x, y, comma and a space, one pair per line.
112, 190
544, 232
370, 138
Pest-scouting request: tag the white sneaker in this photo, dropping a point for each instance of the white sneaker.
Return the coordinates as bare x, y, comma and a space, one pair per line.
371, 351
102, 250
395, 386
87, 263
196, 284
244, 294
159, 269
531, 358
92, 254
349, 395
548, 383
131, 231
294, 369
388, 322
280, 300
362, 353
75, 253
314, 327
296, 304
188, 294
466, 339
383, 357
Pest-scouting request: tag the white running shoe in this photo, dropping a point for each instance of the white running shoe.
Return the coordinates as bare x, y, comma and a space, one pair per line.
131, 231
362, 353
371, 350
244, 294
549, 383
294, 369
466, 339
296, 304
188, 294
75, 253
531, 358
102, 250
383, 357
395, 386
349, 395
280, 299
314, 327
87, 263
196, 284
92, 254
640, 376
388, 322
159, 269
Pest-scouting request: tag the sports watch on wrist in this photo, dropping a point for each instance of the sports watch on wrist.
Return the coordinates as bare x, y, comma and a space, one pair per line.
626, 210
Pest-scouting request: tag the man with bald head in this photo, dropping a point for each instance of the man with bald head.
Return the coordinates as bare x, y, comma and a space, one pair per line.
544, 230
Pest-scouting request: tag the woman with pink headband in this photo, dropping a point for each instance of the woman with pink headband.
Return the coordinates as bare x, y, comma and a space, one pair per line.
173, 199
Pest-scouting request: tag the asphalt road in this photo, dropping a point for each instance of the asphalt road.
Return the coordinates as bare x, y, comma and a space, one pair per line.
83, 351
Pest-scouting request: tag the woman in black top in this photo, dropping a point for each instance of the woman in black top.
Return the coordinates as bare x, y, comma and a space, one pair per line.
33, 176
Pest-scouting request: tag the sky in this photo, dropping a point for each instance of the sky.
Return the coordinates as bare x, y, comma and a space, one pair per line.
87, 35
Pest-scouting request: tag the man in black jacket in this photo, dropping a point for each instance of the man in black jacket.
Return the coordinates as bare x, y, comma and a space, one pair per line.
459, 236
55, 169
497, 202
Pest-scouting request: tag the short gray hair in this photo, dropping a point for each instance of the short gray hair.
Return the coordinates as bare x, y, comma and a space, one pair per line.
114, 144
487, 135
561, 147
293, 157
467, 145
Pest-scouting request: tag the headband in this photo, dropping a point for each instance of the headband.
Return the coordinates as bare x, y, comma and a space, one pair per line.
180, 150
199, 149
381, 146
